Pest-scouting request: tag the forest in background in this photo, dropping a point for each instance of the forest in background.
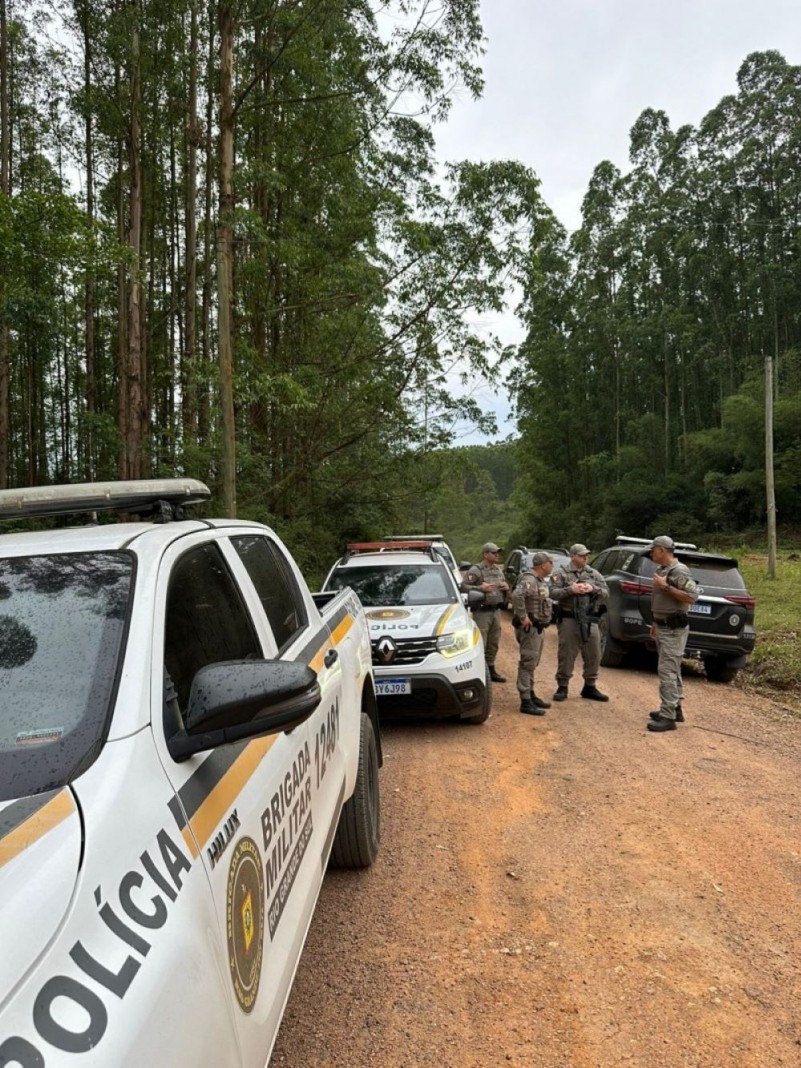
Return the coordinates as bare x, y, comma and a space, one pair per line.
227, 251
640, 386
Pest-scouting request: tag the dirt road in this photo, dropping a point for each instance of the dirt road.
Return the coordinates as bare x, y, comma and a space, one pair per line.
569, 891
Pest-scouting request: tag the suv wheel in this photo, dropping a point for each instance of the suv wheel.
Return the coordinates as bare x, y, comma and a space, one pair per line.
612, 652
718, 669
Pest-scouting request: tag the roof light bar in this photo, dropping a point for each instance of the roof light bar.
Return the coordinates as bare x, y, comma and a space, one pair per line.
139, 495
384, 546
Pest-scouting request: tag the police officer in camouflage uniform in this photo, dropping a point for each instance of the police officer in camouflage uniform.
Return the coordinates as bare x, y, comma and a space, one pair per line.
673, 590
489, 578
578, 590
532, 609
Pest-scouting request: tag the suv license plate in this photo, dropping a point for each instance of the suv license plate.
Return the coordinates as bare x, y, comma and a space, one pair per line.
700, 609
392, 687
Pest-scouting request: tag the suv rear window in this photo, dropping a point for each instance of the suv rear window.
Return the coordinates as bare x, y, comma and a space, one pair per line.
407, 584
62, 627
721, 573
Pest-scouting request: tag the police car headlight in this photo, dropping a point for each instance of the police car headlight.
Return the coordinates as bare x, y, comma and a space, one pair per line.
457, 642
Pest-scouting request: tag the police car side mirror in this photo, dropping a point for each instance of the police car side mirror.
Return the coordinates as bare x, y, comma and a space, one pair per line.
475, 597
241, 699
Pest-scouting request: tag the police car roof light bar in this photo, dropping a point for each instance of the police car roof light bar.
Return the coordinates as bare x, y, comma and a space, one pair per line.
138, 496
356, 547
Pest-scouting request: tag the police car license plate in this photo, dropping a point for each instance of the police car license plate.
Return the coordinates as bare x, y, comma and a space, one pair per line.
392, 687
700, 609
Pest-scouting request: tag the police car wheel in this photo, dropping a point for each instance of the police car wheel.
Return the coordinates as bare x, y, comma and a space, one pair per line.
358, 833
486, 707
612, 653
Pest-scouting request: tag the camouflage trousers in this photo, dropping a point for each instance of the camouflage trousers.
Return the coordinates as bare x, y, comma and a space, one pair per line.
530, 642
670, 646
570, 645
489, 623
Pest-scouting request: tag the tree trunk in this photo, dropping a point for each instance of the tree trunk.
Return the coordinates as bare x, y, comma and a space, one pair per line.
225, 260
86, 443
133, 445
189, 362
5, 190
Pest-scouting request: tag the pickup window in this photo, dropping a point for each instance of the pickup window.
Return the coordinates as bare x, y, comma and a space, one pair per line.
207, 621
275, 584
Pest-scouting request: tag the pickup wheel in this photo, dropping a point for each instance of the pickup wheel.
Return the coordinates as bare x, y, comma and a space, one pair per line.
358, 833
483, 715
718, 669
612, 653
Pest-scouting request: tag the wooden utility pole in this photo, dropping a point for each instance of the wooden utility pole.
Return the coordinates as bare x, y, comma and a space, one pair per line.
769, 485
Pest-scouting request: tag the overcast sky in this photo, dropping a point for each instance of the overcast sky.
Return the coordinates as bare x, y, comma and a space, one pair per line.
566, 79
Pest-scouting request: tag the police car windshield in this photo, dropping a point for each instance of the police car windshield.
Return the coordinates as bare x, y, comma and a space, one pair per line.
62, 625
398, 584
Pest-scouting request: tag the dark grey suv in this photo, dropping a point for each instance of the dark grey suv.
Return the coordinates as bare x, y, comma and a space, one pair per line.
721, 622
519, 560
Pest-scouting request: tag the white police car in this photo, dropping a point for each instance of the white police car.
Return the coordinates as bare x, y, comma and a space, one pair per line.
428, 655
185, 739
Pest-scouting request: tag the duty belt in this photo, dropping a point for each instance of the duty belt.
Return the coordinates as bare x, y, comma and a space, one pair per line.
488, 608
674, 622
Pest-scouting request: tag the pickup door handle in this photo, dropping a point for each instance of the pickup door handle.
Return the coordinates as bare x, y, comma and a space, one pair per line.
331, 657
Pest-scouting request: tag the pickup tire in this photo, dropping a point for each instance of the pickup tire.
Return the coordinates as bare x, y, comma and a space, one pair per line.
483, 715
358, 833
718, 669
612, 653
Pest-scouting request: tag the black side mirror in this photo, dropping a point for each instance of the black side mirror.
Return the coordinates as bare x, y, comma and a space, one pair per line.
240, 699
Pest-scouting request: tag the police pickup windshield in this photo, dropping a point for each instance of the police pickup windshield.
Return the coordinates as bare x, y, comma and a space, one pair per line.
62, 627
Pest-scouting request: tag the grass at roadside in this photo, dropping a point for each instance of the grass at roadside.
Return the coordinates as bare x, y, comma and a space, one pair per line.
774, 667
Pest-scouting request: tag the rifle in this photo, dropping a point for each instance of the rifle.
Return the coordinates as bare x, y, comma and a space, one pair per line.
584, 614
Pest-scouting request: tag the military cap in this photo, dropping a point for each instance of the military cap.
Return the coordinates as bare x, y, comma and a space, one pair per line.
579, 550
490, 547
541, 558
663, 542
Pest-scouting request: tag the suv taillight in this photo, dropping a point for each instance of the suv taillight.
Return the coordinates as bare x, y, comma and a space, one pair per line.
741, 598
635, 587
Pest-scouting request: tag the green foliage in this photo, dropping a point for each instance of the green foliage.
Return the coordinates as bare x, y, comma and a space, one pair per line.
775, 665
640, 382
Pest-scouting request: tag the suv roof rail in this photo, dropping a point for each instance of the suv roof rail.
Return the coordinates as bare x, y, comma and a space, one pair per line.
353, 548
622, 539
164, 496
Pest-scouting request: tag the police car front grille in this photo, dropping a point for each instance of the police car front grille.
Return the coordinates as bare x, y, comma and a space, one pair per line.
409, 651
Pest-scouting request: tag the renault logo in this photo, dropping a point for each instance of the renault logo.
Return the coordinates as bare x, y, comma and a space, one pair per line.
386, 650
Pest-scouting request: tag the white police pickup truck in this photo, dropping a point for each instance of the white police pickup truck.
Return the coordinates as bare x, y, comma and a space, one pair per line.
185, 742
428, 655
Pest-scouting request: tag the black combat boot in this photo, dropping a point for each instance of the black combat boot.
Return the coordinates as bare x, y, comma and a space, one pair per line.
658, 715
561, 693
528, 708
661, 724
592, 693
538, 701
495, 676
